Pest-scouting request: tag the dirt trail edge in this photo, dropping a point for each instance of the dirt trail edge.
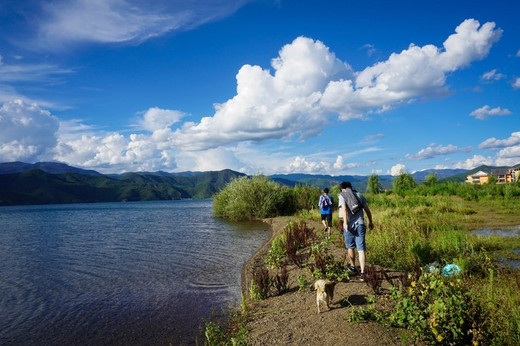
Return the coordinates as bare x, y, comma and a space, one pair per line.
292, 318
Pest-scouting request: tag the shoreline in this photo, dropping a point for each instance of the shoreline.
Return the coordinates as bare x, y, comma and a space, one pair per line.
276, 225
254, 257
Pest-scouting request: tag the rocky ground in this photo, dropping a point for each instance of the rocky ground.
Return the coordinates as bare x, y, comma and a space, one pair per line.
292, 318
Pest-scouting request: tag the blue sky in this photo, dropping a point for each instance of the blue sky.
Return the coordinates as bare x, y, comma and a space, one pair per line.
322, 87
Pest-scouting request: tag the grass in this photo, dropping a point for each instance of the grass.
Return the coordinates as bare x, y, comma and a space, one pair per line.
433, 225
412, 232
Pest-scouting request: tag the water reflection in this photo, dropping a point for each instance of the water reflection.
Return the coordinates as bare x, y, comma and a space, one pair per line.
507, 232
144, 273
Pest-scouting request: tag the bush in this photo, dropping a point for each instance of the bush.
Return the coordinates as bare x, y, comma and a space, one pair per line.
252, 198
325, 266
260, 284
276, 254
440, 310
281, 281
304, 197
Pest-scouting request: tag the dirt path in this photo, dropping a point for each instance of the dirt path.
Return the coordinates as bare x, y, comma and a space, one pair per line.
292, 318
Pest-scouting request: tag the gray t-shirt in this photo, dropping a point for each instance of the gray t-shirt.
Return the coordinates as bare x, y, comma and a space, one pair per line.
356, 218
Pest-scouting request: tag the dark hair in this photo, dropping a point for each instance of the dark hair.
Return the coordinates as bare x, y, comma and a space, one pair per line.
345, 185
326, 190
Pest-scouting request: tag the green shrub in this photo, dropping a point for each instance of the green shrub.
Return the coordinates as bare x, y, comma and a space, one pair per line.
302, 282
233, 331
276, 255
440, 310
260, 284
250, 198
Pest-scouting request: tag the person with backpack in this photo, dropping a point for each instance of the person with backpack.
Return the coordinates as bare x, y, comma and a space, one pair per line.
352, 205
325, 204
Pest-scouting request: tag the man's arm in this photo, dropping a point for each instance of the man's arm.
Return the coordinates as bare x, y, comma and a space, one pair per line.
345, 216
369, 215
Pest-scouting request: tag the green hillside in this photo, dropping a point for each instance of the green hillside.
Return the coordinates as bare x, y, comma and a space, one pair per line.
39, 187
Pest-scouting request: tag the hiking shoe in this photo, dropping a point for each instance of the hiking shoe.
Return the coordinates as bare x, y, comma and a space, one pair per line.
362, 277
353, 269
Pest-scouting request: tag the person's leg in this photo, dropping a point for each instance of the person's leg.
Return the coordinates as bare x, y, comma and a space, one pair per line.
351, 257
361, 247
350, 244
362, 260
329, 223
324, 221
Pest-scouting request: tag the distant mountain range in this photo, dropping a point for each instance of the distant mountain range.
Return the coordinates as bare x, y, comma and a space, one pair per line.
55, 183
359, 181
51, 182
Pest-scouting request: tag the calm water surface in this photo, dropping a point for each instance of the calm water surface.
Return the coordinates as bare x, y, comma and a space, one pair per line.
144, 273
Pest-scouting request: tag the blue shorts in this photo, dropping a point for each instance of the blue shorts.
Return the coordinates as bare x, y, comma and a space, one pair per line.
355, 238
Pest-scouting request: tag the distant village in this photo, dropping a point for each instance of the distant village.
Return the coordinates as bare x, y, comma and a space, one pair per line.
503, 176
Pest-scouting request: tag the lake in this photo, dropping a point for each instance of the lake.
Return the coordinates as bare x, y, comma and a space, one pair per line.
140, 273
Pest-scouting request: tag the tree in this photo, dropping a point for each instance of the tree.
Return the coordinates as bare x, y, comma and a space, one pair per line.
431, 179
403, 183
374, 185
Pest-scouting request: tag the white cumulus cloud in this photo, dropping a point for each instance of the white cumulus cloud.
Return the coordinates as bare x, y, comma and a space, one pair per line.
270, 106
397, 169
156, 118
508, 153
310, 83
434, 151
474, 161
87, 147
492, 143
301, 164
27, 132
486, 111
415, 72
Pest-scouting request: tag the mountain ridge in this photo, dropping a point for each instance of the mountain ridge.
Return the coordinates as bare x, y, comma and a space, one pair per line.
53, 182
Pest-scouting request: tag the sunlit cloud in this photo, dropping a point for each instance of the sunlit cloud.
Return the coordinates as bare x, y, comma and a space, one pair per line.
433, 151
493, 75
486, 112
65, 22
397, 169
493, 143
310, 84
27, 132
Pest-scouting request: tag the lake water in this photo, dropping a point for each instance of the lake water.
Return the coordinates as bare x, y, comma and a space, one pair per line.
511, 231
143, 273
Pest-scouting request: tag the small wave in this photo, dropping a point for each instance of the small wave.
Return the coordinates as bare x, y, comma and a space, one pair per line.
208, 285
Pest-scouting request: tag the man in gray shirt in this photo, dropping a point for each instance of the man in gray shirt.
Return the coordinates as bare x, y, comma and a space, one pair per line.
354, 228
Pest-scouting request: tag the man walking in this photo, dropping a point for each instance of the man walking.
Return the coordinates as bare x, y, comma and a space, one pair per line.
325, 204
353, 204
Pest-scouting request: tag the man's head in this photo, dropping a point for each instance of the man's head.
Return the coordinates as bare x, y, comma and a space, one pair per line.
345, 185
326, 190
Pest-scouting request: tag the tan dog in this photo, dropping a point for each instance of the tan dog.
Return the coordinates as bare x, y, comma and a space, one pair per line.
324, 292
